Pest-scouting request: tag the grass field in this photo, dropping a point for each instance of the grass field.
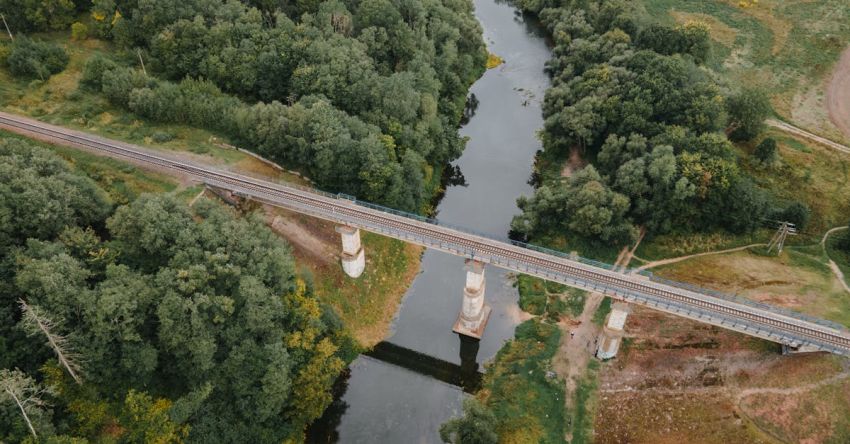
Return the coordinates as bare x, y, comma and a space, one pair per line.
787, 47
368, 304
521, 391
808, 173
799, 279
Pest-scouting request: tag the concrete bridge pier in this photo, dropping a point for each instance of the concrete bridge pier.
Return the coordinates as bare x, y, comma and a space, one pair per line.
612, 333
474, 313
353, 257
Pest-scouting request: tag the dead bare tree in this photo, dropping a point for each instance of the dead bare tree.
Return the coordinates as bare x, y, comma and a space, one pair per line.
9, 31
37, 324
16, 386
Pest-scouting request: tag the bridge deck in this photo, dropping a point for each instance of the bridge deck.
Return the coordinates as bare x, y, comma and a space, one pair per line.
771, 323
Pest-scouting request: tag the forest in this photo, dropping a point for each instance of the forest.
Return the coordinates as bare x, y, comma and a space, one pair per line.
152, 321
157, 322
656, 126
364, 97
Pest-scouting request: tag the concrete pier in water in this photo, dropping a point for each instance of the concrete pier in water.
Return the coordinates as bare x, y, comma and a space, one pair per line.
353, 257
612, 333
474, 313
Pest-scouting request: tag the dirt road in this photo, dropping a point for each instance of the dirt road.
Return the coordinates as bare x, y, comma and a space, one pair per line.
788, 128
838, 95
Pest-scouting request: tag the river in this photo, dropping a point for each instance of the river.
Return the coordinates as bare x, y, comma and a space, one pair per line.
412, 383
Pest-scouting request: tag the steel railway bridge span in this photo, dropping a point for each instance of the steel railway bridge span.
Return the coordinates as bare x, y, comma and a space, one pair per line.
791, 329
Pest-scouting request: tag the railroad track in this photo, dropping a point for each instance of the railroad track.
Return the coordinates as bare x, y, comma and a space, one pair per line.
756, 321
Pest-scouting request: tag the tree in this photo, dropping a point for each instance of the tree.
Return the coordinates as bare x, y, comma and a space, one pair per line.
32, 179
584, 206
38, 15
747, 113
79, 31
476, 426
30, 58
23, 391
93, 71
797, 213
37, 323
146, 420
766, 152
844, 240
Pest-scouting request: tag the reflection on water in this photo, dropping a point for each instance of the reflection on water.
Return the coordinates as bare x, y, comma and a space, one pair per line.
453, 177
469, 109
403, 390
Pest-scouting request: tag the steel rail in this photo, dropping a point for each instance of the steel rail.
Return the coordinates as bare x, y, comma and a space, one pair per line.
701, 307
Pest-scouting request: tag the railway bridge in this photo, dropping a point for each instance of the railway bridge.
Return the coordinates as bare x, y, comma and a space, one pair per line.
794, 330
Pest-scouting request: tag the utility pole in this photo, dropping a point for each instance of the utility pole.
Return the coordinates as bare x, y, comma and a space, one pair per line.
7, 27
778, 241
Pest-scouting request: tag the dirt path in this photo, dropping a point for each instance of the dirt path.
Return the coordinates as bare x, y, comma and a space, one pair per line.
627, 258
838, 95
736, 392
578, 345
830, 231
832, 265
807, 135
300, 237
673, 260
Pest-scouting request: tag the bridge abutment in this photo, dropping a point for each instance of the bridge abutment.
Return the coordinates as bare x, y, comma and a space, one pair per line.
789, 350
353, 256
612, 333
474, 313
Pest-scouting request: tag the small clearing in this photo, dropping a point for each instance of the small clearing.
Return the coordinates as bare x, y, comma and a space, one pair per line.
300, 237
574, 163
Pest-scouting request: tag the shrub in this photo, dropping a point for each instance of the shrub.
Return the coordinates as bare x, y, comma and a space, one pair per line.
844, 241
766, 152
32, 59
797, 213
93, 72
162, 137
79, 31
747, 112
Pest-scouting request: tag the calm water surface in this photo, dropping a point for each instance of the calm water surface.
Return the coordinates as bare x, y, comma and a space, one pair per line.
405, 398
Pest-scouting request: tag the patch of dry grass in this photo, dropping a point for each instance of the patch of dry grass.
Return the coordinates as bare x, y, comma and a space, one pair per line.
816, 416
368, 304
719, 31
793, 280
809, 173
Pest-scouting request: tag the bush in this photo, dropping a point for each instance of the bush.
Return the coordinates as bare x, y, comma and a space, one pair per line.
797, 213
162, 137
766, 152
31, 59
532, 294
79, 31
93, 72
844, 241
747, 112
